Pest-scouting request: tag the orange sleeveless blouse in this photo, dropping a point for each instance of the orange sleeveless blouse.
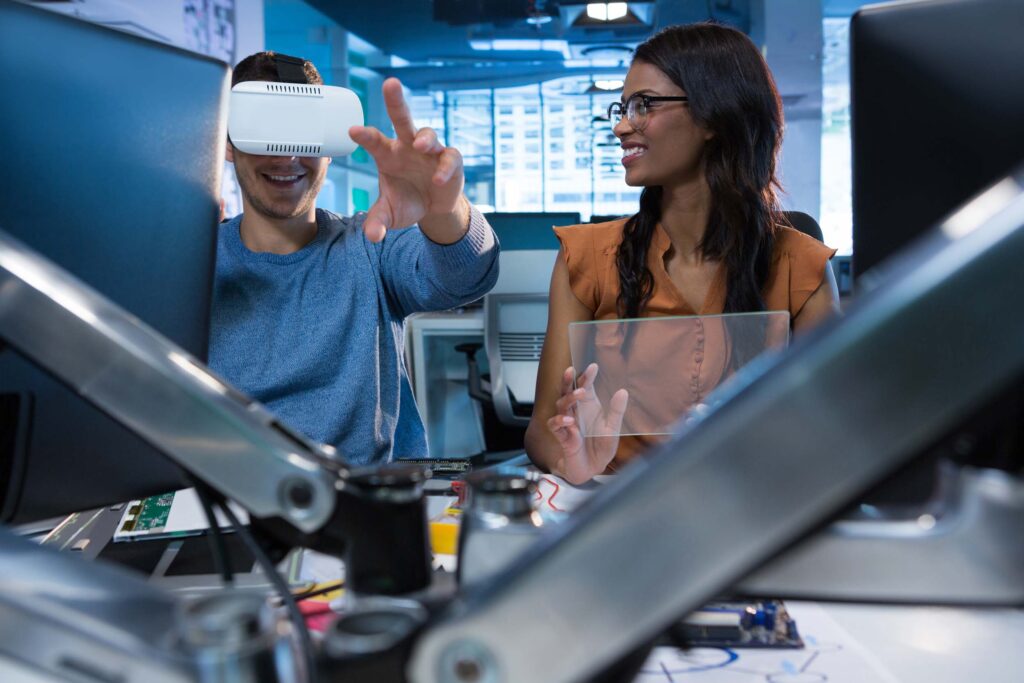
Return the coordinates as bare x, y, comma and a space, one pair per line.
797, 270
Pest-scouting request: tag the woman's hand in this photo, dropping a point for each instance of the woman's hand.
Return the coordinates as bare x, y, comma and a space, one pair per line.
587, 431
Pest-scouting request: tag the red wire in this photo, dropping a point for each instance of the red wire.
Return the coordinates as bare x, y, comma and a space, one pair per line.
551, 500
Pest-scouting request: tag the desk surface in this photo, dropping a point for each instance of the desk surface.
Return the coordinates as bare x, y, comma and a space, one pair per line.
850, 643
845, 643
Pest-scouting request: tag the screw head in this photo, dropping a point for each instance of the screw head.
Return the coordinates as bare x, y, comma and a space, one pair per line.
468, 661
468, 670
299, 494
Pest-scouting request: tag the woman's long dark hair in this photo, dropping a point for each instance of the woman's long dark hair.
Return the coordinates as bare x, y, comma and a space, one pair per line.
732, 94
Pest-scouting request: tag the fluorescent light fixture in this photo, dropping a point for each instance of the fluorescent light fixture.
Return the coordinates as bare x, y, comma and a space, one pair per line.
608, 84
517, 44
606, 11
523, 45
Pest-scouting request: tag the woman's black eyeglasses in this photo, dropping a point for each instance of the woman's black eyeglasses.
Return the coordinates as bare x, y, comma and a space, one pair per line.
636, 107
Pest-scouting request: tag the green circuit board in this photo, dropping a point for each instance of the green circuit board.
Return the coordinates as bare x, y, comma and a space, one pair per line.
148, 514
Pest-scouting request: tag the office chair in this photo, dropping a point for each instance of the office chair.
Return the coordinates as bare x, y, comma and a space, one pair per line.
805, 224
840, 266
514, 327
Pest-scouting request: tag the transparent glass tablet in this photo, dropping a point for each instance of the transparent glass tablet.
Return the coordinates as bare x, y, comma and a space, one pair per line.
641, 376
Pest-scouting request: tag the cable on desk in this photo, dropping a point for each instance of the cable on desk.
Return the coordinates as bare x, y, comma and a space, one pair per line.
305, 642
221, 558
330, 588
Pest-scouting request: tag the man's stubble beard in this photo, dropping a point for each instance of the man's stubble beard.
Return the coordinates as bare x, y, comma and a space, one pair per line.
308, 200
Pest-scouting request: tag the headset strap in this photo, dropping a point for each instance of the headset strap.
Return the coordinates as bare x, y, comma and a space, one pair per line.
290, 69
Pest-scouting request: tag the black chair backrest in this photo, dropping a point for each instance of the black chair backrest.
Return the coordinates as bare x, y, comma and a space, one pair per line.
805, 224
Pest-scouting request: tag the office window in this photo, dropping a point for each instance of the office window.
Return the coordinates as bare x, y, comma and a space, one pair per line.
836, 184
543, 147
469, 115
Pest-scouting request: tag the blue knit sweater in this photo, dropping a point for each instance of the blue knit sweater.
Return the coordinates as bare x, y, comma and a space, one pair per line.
317, 335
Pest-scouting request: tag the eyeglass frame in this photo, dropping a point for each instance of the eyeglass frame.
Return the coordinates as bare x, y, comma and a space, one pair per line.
646, 100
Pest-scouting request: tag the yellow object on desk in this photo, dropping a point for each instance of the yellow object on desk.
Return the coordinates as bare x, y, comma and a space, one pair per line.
444, 532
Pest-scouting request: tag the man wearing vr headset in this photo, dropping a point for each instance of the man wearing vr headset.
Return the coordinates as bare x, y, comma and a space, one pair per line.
309, 307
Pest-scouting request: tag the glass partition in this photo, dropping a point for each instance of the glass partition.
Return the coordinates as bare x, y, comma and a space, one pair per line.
640, 376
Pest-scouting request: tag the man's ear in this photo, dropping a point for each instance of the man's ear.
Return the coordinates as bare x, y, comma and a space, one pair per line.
229, 152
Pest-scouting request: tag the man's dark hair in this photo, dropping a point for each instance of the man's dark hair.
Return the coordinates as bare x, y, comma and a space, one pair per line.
263, 66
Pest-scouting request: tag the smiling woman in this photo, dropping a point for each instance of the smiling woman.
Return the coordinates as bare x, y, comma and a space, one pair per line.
700, 125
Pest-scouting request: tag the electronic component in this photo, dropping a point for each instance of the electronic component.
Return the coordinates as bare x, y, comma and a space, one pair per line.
144, 516
757, 624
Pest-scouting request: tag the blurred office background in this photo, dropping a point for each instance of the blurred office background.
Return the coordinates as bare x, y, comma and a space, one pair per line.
521, 87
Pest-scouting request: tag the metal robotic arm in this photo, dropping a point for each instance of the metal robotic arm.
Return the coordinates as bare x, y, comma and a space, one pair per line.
799, 438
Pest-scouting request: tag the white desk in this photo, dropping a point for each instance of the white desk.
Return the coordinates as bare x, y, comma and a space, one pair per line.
851, 643
939, 644
847, 642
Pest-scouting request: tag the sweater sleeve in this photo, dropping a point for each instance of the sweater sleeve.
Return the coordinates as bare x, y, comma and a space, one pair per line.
421, 275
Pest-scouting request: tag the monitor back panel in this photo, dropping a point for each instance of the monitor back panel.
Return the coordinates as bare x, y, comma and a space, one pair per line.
113, 154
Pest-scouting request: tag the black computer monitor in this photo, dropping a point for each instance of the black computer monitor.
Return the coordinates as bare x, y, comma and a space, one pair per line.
937, 105
529, 230
112, 154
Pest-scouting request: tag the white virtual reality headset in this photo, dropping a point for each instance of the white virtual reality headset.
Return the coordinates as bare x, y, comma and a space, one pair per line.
293, 119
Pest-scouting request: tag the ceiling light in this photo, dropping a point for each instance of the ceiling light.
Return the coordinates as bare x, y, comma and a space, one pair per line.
608, 84
606, 11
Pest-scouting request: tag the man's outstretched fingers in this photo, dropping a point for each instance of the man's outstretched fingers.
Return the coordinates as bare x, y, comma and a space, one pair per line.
398, 111
369, 138
427, 142
450, 164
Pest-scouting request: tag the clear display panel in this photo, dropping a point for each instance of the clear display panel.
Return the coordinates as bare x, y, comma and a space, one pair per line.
640, 376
